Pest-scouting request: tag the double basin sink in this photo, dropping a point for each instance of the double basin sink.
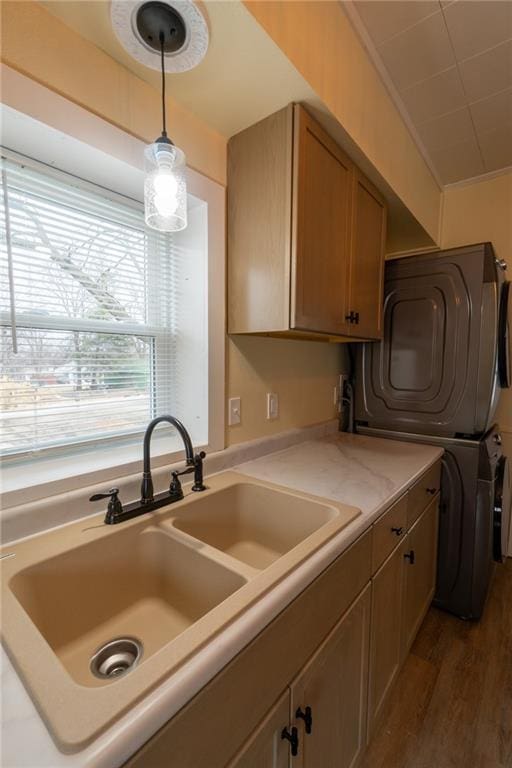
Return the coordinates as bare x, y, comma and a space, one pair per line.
96, 616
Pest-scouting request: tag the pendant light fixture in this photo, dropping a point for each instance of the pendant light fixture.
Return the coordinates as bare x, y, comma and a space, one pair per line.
165, 188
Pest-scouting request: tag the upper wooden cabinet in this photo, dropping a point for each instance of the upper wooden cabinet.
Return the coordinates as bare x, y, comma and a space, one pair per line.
368, 237
320, 253
306, 234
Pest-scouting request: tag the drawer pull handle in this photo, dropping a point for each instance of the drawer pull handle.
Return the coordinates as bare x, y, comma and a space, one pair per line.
398, 531
307, 716
431, 491
410, 556
293, 737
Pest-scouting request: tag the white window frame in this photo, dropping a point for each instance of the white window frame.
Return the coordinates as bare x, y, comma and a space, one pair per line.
88, 147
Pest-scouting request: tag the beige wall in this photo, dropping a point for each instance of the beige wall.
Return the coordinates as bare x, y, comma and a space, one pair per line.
302, 373
478, 212
319, 40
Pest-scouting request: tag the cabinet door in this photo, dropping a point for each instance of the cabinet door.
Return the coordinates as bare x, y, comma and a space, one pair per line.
266, 748
368, 235
420, 572
322, 191
386, 631
334, 685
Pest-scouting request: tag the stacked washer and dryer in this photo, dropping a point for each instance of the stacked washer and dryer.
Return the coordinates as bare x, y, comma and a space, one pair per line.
436, 378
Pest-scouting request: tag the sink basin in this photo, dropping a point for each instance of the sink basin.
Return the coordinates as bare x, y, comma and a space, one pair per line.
141, 584
253, 523
96, 616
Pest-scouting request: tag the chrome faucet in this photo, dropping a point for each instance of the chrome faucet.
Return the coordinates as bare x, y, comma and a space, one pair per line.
116, 513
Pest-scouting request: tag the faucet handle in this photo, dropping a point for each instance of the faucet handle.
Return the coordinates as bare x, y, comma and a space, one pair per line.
175, 489
114, 508
112, 495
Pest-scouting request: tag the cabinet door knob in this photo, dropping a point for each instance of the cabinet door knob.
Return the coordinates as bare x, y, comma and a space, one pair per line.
293, 737
307, 716
410, 556
398, 531
431, 491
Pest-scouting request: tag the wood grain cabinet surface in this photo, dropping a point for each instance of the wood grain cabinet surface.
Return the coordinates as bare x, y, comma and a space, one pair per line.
420, 572
388, 586
334, 686
265, 747
306, 234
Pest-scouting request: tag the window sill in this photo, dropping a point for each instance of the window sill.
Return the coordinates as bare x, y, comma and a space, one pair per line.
32, 479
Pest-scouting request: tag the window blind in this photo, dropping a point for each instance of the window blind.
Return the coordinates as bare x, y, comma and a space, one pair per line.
89, 304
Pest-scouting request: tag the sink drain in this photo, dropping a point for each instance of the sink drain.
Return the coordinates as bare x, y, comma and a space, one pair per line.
116, 658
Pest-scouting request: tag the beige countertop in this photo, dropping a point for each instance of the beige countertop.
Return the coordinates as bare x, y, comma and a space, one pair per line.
365, 472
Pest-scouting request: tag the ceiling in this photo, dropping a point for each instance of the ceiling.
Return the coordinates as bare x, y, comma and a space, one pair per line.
448, 65
241, 79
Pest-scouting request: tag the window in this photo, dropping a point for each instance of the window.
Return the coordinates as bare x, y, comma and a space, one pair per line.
103, 323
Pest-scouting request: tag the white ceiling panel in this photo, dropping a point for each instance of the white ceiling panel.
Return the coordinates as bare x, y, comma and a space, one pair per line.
451, 69
492, 113
386, 18
448, 130
476, 26
420, 52
462, 161
488, 72
435, 97
496, 148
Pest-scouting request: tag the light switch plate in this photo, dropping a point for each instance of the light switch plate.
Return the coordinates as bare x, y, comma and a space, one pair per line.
272, 405
234, 412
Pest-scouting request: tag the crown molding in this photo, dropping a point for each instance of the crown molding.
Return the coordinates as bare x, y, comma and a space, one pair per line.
481, 177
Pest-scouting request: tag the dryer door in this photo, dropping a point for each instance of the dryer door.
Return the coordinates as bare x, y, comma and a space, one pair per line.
428, 374
502, 511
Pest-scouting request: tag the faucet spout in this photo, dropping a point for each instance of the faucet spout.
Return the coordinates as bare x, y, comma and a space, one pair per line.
147, 493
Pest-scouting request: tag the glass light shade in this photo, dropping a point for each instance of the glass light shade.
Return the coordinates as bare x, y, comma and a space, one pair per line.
165, 188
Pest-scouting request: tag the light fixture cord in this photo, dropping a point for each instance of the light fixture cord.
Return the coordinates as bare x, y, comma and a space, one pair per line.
162, 40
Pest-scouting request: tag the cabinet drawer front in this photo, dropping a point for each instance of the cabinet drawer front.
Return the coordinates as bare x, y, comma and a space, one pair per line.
388, 531
422, 493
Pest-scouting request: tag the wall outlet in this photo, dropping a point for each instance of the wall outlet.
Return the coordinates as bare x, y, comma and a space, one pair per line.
272, 405
234, 411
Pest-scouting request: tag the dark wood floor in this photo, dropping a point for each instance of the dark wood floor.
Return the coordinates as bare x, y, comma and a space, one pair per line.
452, 704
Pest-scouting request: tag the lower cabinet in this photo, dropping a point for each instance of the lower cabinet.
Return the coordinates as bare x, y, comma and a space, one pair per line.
386, 631
420, 572
328, 698
402, 590
266, 748
320, 721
